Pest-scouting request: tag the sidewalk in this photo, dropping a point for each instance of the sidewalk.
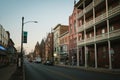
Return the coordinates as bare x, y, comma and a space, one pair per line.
17, 75
103, 70
7, 71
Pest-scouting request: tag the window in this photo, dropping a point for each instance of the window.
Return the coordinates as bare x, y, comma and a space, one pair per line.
48, 39
55, 49
111, 28
103, 31
80, 38
90, 35
70, 28
80, 22
75, 26
85, 36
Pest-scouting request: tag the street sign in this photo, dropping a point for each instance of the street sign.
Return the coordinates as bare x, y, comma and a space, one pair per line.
25, 37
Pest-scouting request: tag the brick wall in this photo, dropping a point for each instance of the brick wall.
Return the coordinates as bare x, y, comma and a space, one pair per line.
116, 56
102, 55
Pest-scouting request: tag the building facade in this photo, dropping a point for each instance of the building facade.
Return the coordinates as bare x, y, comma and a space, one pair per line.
12, 52
73, 36
3, 37
7, 49
58, 30
37, 52
4, 58
98, 37
42, 50
49, 47
64, 46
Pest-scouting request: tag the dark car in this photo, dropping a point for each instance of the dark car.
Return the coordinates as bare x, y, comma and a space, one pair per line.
30, 60
48, 63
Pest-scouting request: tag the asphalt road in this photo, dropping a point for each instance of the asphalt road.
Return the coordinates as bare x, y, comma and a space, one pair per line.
35, 71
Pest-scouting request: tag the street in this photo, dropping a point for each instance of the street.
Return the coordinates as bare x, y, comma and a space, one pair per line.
35, 71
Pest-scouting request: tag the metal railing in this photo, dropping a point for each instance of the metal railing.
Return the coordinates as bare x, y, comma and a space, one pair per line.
115, 33
114, 11
80, 28
89, 24
80, 14
81, 42
101, 17
89, 40
96, 2
101, 37
89, 7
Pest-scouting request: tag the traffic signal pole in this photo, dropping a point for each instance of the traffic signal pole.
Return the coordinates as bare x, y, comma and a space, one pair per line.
20, 56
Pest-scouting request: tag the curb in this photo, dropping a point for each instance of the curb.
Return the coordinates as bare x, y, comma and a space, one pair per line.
3, 66
102, 70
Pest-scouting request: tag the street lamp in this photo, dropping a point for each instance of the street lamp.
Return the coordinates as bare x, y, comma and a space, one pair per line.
21, 55
55, 58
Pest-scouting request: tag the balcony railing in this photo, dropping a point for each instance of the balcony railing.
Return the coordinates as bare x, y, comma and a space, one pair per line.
89, 40
97, 2
80, 14
89, 7
114, 11
101, 37
81, 28
81, 42
89, 24
115, 33
101, 17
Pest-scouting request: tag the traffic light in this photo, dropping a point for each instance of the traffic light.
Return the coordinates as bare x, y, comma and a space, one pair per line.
25, 37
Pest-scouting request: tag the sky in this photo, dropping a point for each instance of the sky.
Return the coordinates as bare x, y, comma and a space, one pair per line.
48, 13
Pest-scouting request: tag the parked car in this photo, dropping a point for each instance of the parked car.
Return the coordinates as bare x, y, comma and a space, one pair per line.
30, 60
48, 62
38, 60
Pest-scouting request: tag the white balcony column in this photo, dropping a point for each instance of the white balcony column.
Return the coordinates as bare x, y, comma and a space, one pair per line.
78, 59
110, 56
84, 29
95, 47
86, 56
106, 7
108, 29
81, 58
93, 13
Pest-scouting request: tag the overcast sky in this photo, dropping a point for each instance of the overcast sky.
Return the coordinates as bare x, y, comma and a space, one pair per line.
48, 13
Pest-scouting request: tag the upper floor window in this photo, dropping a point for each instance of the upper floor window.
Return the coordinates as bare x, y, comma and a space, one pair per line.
90, 35
75, 26
103, 31
48, 39
70, 28
111, 28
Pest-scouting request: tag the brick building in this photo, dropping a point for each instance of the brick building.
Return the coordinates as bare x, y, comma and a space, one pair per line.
37, 52
73, 36
7, 49
42, 49
64, 46
49, 47
98, 37
58, 30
